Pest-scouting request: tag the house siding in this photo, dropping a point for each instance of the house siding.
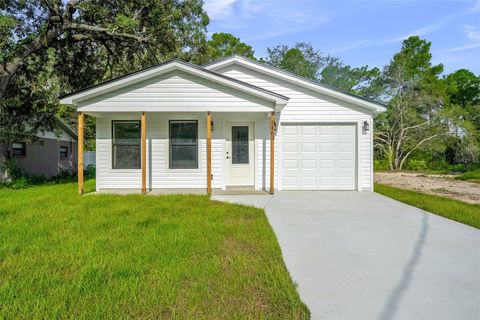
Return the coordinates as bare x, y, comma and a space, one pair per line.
159, 175
307, 106
43, 158
173, 90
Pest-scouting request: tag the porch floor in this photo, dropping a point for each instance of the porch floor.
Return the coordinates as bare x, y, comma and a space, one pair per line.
155, 192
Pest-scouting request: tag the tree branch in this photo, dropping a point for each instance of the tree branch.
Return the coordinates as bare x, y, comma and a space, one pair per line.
96, 29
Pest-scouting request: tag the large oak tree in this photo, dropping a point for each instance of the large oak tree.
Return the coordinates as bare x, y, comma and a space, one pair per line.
53, 46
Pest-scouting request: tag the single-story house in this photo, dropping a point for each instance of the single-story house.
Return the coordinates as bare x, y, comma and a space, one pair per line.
233, 123
51, 154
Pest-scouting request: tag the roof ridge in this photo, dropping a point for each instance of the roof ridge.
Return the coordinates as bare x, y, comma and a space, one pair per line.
185, 63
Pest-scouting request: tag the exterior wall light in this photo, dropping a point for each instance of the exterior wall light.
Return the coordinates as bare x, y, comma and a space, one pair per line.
365, 127
211, 124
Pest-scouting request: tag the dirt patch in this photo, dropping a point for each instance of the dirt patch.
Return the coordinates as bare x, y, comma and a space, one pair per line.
442, 185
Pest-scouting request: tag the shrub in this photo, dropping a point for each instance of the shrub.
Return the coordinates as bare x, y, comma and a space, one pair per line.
12, 169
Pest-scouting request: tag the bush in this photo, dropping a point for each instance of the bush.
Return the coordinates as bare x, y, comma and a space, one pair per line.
381, 165
90, 172
12, 169
17, 178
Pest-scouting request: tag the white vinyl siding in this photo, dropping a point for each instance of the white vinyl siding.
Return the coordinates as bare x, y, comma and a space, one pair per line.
306, 106
159, 175
174, 90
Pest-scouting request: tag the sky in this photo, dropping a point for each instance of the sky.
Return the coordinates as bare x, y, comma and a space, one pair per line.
361, 32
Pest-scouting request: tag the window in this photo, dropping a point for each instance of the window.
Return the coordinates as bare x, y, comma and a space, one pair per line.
240, 145
63, 152
19, 149
183, 144
126, 145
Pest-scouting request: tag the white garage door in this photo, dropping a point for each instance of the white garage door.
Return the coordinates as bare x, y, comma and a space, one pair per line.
318, 157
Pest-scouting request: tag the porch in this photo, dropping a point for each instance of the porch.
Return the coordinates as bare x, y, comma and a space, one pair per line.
183, 152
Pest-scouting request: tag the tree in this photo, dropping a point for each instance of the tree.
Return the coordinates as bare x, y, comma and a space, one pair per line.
303, 59
222, 45
357, 80
463, 90
416, 112
79, 43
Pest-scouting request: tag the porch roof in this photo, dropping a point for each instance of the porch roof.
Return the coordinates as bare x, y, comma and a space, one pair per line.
98, 98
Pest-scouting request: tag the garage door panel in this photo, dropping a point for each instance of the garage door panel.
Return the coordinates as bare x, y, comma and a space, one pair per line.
290, 147
319, 157
308, 130
290, 130
290, 164
326, 146
308, 164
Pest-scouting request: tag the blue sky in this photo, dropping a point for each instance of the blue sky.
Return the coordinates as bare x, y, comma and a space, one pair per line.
361, 32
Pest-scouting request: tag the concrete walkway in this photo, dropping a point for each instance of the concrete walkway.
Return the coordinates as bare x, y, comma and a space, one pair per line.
360, 255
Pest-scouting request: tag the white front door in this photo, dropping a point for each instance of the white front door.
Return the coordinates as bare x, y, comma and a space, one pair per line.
240, 154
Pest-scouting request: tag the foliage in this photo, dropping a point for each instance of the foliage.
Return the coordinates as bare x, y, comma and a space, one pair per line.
222, 45
31, 107
151, 257
416, 112
463, 89
358, 80
11, 169
302, 59
52, 47
471, 176
462, 212
17, 178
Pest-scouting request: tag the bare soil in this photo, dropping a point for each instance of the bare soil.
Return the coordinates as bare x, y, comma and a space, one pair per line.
442, 185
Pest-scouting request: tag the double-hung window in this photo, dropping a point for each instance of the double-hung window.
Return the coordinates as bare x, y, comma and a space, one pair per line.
19, 149
126, 148
183, 144
63, 152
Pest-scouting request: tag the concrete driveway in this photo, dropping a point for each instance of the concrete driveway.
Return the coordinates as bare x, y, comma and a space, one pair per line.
360, 255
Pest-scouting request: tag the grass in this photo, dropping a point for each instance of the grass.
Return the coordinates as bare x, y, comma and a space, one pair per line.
470, 176
110, 257
452, 209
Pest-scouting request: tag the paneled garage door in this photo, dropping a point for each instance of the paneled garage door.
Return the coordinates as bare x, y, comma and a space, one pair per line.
318, 157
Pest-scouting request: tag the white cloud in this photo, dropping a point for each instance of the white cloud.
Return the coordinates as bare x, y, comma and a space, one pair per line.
219, 9
463, 48
471, 32
475, 7
288, 28
418, 32
348, 47
473, 35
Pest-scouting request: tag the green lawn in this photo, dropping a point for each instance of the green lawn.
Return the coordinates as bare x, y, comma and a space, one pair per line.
110, 257
452, 209
470, 176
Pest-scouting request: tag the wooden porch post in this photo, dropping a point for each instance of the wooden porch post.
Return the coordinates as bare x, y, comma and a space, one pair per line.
209, 153
80, 152
144, 153
272, 152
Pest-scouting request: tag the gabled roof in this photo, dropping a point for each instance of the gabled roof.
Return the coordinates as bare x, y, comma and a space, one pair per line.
376, 107
75, 97
67, 128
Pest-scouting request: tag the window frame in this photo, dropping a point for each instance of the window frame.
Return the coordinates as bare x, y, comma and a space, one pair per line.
24, 150
197, 144
60, 152
113, 143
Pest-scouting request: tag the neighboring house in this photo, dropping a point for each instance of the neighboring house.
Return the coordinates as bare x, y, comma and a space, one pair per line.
322, 136
49, 155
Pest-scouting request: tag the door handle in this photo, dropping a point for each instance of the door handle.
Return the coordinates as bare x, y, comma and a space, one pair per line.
228, 157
